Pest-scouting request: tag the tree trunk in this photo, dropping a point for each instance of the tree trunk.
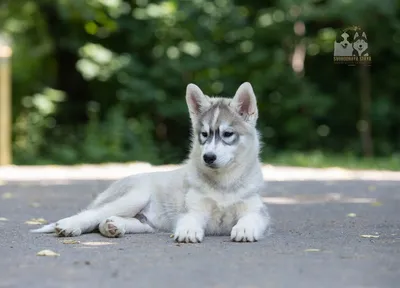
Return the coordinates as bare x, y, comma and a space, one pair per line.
68, 78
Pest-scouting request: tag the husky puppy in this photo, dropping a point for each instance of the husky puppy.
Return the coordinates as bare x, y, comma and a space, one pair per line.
215, 192
360, 44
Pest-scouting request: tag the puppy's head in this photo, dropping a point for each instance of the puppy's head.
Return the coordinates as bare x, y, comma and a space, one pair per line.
224, 129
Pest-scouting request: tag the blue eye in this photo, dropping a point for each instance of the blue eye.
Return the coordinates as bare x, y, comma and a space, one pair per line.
227, 134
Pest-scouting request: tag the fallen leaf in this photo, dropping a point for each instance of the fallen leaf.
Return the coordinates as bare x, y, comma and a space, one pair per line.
7, 195
70, 241
36, 221
35, 204
351, 215
171, 236
312, 250
369, 236
47, 253
376, 203
3, 219
371, 188
97, 243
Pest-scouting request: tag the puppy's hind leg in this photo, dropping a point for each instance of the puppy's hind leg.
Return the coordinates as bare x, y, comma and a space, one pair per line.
88, 220
118, 226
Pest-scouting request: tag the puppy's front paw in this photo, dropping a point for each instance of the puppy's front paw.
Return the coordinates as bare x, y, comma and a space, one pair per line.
245, 232
189, 235
68, 227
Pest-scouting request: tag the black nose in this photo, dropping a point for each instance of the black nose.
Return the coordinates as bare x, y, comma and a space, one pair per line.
209, 158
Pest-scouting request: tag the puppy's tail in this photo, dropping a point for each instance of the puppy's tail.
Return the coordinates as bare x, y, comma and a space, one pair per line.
45, 229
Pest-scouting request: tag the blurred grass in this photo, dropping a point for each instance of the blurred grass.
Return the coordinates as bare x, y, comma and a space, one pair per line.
317, 159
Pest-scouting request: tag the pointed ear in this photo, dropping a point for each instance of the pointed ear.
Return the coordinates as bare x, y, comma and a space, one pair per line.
356, 35
364, 35
196, 100
245, 102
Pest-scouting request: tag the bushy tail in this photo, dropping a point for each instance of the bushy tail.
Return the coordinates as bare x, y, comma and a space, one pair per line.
45, 229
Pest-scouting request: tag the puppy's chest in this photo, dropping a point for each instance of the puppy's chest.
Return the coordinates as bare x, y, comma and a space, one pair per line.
222, 217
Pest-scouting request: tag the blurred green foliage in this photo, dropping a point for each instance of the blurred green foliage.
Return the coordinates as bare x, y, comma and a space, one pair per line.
104, 80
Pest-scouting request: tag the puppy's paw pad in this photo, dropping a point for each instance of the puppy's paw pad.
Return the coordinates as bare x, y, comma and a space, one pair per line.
188, 235
242, 233
111, 228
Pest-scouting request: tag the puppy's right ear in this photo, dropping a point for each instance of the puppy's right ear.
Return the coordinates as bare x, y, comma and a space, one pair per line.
196, 100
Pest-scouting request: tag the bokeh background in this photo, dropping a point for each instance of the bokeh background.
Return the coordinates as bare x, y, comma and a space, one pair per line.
104, 80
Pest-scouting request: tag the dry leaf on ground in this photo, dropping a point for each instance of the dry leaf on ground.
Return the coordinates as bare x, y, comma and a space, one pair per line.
3, 219
97, 243
36, 221
7, 195
312, 250
351, 215
376, 203
369, 236
47, 253
70, 241
35, 204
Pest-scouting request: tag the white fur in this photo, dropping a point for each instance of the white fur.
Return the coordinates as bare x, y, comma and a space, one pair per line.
191, 201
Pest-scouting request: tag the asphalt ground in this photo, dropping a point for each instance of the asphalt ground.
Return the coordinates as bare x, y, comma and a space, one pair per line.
324, 234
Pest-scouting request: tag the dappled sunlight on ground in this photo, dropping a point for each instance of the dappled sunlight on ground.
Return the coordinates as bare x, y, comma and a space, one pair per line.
117, 171
318, 199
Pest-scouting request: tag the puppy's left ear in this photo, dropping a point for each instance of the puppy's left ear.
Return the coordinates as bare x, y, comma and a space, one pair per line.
245, 103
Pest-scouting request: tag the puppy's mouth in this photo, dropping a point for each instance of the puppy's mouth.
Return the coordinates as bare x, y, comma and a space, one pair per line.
215, 166
211, 166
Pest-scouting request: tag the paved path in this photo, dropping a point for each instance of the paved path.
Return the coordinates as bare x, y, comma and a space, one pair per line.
306, 215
